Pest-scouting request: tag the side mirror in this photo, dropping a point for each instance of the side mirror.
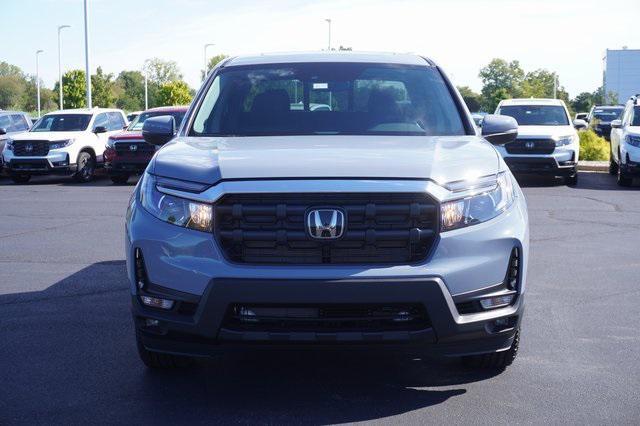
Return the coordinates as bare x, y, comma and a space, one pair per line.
580, 124
499, 129
616, 124
3, 131
159, 130
100, 129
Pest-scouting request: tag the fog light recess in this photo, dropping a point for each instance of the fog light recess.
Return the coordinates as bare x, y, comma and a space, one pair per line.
496, 301
156, 302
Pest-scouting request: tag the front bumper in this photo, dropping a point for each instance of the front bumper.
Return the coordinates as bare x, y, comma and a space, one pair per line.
126, 167
41, 166
188, 266
206, 332
562, 162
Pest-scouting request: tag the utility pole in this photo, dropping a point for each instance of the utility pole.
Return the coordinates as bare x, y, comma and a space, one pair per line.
38, 52
205, 60
87, 67
60, 28
555, 86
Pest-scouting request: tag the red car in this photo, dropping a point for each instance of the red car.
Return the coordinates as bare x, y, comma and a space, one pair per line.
127, 153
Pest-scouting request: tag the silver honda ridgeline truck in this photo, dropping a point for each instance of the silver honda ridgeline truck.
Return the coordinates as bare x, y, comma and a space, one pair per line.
330, 199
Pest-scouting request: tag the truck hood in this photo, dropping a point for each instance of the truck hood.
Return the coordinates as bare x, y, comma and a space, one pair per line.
48, 136
544, 131
441, 159
127, 135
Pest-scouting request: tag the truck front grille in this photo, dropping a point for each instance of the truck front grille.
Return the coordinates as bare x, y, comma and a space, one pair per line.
389, 228
134, 147
30, 148
531, 146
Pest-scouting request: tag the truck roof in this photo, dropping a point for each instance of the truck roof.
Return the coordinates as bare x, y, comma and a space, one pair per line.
87, 111
168, 108
532, 101
333, 56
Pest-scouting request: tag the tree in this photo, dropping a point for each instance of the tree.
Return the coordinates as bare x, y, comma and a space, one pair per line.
12, 89
73, 89
6, 69
129, 90
471, 98
583, 102
102, 89
30, 96
538, 84
500, 80
161, 71
213, 61
174, 93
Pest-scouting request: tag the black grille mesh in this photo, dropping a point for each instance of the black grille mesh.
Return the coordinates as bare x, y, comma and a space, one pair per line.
540, 146
30, 148
380, 228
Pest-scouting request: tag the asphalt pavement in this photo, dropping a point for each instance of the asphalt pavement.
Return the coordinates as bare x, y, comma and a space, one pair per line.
67, 349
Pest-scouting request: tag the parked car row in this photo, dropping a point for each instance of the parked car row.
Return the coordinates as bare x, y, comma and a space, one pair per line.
624, 161
75, 142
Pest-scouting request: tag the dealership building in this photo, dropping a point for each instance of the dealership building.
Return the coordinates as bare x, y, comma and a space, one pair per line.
622, 73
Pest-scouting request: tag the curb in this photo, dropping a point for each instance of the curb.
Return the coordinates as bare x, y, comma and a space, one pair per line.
593, 166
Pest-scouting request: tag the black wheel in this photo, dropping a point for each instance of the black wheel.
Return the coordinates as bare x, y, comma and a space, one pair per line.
20, 177
157, 360
571, 180
496, 360
86, 167
613, 166
119, 179
623, 179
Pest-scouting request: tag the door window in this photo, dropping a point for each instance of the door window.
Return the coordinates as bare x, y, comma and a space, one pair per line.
102, 120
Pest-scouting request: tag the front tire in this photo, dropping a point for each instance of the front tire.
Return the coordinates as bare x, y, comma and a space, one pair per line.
119, 179
20, 177
613, 166
623, 179
86, 167
495, 360
160, 361
571, 180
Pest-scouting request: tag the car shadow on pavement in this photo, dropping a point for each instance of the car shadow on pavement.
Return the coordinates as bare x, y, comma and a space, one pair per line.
586, 180
68, 355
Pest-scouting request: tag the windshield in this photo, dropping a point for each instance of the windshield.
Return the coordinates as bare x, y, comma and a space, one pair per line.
608, 114
635, 120
536, 115
62, 123
328, 99
138, 122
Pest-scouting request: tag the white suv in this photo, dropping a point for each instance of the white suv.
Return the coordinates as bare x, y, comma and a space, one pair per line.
625, 143
547, 141
68, 142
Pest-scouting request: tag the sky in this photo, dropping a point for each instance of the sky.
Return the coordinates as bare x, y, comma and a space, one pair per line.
566, 36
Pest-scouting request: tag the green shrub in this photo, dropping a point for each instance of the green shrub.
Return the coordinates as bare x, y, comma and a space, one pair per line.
593, 147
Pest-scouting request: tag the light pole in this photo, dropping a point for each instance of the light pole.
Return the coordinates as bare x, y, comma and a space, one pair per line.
329, 22
205, 59
38, 52
555, 85
87, 68
145, 68
60, 28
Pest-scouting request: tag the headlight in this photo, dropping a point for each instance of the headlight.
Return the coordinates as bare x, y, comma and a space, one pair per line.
174, 210
60, 144
565, 140
480, 207
633, 140
9, 145
111, 143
